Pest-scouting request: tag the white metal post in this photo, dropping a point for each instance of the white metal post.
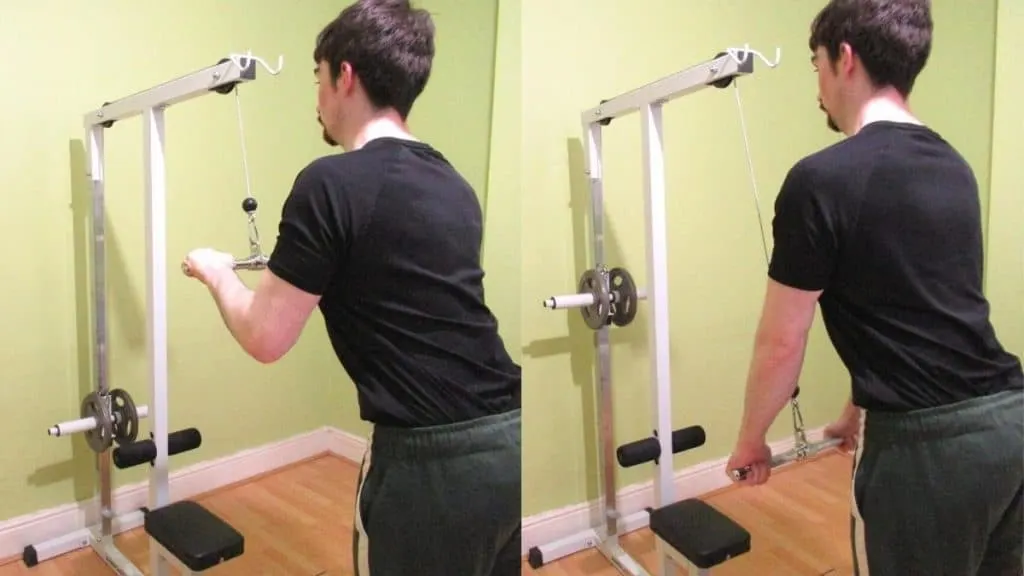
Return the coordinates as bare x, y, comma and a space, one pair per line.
156, 317
99, 313
101, 536
602, 344
657, 300
609, 507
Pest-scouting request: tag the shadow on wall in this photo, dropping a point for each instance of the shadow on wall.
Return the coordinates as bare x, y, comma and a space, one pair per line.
580, 343
81, 466
123, 303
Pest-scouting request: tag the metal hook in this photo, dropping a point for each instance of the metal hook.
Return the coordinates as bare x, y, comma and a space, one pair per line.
746, 51
243, 61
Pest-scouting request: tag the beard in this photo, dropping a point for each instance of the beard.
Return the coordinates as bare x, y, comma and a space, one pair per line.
327, 137
829, 121
832, 125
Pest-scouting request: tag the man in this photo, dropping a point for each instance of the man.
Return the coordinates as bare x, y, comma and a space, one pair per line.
386, 239
883, 230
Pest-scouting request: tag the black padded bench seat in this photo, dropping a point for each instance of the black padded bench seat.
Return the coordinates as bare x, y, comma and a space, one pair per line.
194, 535
699, 532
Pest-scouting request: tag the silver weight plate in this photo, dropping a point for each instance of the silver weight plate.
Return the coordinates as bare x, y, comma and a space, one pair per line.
102, 436
126, 417
596, 315
624, 307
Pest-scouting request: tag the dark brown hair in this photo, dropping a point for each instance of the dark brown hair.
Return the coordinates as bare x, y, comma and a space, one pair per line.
892, 38
390, 46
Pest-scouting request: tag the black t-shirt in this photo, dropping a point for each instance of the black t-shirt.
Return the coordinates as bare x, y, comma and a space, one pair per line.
390, 236
888, 224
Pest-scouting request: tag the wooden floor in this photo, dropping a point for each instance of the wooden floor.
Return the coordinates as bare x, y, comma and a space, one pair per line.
298, 521
799, 524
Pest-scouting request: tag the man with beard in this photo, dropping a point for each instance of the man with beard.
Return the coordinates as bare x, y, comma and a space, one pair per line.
327, 137
385, 238
883, 230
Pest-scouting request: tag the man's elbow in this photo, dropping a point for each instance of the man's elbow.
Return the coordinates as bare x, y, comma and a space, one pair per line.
267, 350
781, 347
264, 356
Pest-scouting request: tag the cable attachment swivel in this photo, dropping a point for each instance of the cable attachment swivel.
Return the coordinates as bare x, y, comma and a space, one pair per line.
256, 260
801, 450
801, 446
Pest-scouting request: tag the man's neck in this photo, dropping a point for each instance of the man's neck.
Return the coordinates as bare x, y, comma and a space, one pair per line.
386, 125
885, 106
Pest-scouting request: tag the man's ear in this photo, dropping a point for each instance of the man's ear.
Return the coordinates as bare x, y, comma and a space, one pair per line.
846, 58
346, 78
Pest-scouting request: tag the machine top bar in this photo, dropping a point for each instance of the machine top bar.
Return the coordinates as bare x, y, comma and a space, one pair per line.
221, 77
724, 67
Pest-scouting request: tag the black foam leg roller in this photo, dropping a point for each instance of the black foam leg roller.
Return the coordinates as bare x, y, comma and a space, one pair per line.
648, 449
136, 453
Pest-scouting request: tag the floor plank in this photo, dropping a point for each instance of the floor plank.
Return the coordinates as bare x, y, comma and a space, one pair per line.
799, 524
298, 521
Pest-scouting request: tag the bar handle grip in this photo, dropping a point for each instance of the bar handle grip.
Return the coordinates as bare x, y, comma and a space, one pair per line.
253, 262
791, 455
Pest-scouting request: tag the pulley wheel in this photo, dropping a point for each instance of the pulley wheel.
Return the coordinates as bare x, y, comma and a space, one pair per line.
622, 285
101, 437
126, 418
596, 315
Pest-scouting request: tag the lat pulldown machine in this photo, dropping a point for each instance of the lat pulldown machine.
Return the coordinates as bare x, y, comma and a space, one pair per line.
690, 532
183, 534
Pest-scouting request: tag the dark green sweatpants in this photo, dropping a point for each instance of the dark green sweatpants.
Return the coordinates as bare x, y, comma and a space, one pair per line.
441, 501
938, 492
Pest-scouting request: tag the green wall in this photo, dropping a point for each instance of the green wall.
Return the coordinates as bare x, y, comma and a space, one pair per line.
515, 134
1005, 264
65, 58
504, 258
582, 51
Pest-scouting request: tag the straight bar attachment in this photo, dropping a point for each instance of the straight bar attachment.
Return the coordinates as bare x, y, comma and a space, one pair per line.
792, 455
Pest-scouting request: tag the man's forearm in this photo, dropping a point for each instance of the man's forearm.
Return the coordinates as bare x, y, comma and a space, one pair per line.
234, 300
771, 382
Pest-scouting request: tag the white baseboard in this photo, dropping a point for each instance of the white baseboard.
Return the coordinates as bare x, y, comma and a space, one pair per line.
344, 444
37, 527
690, 482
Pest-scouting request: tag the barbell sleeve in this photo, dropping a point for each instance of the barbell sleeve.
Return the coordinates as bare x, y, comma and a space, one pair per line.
86, 424
581, 300
569, 301
792, 455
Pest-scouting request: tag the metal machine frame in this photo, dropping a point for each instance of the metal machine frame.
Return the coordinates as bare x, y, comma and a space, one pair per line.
151, 105
648, 100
